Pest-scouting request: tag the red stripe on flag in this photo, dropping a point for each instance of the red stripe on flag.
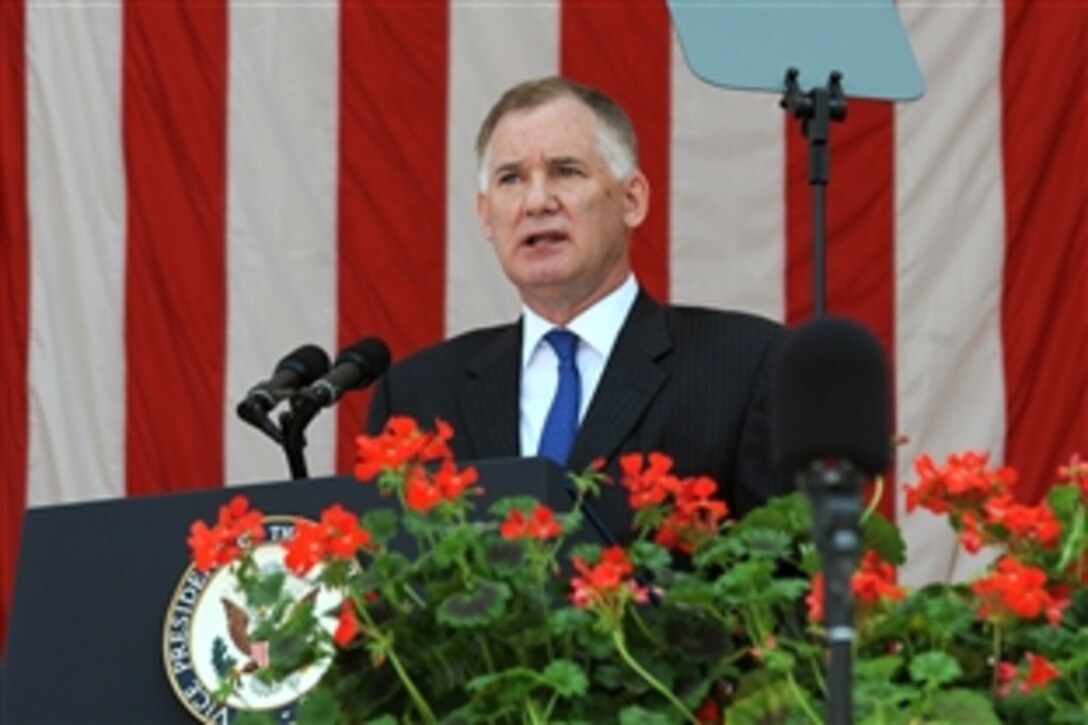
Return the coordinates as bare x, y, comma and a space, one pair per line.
628, 55
1045, 303
15, 298
860, 209
392, 183
174, 116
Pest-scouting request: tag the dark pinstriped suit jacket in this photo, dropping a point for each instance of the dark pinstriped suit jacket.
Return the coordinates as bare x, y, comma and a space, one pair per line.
690, 382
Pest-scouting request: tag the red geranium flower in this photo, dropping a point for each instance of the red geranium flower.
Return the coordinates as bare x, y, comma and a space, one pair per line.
1040, 672
1076, 471
1014, 588
237, 526
337, 535
347, 626
964, 481
1030, 522
401, 443
696, 516
606, 582
873, 581
650, 486
541, 524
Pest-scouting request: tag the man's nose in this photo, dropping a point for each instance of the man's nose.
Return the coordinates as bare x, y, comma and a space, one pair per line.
539, 195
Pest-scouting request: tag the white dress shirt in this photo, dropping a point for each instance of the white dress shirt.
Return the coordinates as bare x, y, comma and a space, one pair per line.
597, 329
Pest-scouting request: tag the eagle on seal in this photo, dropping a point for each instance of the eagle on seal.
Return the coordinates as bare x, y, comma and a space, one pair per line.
238, 629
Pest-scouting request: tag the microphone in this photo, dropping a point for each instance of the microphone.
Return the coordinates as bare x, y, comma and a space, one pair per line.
829, 427
356, 367
300, 367
830, 398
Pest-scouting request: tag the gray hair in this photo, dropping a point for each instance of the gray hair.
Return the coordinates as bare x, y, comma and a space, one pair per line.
616, 139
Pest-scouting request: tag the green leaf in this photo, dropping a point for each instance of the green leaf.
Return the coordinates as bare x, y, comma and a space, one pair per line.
319, 706
1063, 501
651, 557
586, 551
692, 634
761, 701
505, 557
744, 581
720, 553
879, 702
961, 705
767, 543
456, 541
479, 606
381, 523
382, 720
568, 620
883, 537
221, 659
385, 569
635, 715
502, 508
934, 668
879, 668
423, 526
267, 590
566, 678
785, 590
253, 717
513, 677
788, 514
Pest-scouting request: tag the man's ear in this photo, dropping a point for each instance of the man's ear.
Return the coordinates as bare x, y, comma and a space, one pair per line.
636, 199
483, 214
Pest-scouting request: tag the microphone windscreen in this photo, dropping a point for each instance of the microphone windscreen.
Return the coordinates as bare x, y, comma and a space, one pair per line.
308, 362
370, 355
830, 398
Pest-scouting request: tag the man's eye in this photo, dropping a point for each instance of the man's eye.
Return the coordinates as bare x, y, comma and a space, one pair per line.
567, 170
506, 178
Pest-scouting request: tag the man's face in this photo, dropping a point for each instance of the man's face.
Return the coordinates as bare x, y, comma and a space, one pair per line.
558, 217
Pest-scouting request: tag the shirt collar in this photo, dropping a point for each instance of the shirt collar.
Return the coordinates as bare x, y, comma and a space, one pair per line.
598, 326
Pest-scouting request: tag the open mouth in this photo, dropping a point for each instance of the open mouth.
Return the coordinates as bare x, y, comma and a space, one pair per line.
546, 237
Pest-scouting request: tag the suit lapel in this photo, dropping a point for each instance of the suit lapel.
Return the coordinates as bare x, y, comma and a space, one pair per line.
632, 379
489, 403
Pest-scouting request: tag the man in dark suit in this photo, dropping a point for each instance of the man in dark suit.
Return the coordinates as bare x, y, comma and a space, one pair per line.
560, 194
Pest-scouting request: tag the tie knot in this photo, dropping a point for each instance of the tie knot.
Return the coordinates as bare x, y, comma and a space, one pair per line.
563, 342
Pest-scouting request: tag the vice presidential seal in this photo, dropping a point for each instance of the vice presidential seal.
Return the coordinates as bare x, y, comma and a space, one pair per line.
209, 637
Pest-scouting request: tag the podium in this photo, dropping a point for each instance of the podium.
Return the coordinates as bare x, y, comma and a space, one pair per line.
95, 579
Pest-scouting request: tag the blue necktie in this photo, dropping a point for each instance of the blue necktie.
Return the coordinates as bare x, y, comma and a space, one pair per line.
561, 425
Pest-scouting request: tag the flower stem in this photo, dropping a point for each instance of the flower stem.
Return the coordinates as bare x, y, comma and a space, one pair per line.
802, 701
997, 656
534, 716
621, 647
405, 678
878, 493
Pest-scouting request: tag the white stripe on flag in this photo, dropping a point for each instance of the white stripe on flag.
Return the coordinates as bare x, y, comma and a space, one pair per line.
491, 48
950, 232
77, 234
727, 245
281, 217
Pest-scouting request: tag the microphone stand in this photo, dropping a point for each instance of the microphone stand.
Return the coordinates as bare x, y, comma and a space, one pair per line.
817, 109
293, 423
834, 492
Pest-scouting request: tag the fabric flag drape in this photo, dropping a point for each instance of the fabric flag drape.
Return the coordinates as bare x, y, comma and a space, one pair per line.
192, 190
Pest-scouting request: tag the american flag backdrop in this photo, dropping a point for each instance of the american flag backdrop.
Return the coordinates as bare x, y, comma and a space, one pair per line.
192, 189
